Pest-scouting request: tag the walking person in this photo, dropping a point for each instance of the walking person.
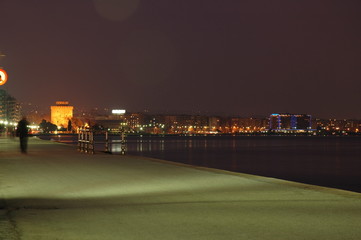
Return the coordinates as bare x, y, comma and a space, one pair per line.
23, 132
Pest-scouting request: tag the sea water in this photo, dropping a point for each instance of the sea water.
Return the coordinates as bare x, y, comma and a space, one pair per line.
325, 161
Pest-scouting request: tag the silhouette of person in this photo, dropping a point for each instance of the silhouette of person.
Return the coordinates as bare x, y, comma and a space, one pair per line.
23, 132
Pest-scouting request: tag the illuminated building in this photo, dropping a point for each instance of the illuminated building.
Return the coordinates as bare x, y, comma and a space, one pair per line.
338, 127
9, 108
61, 114
134, 120
119, 118
290, 122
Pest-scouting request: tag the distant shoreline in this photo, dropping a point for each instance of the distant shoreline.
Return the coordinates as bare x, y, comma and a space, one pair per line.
207, 135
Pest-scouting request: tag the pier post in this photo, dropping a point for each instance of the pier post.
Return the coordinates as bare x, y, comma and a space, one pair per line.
79, 141
107, 150
91, 141
86, 141
122, 142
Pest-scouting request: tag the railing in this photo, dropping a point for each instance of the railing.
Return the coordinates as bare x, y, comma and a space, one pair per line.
109, 142
86, 142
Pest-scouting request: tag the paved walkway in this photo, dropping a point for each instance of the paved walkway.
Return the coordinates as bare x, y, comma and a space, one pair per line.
54, 192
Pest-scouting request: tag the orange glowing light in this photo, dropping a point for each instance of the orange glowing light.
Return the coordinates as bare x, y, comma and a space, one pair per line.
3, 77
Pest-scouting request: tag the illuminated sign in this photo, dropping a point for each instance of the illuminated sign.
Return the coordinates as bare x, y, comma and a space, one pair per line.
62, 103
3, 77
118, 111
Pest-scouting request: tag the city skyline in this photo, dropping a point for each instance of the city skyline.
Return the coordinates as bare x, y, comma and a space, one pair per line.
249, 58
62, 119
45, 110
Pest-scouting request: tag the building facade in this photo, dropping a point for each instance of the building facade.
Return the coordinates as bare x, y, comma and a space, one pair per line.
61, 113
290, 122
9, 108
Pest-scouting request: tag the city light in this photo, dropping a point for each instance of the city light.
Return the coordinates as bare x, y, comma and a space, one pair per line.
3, 77
118, 111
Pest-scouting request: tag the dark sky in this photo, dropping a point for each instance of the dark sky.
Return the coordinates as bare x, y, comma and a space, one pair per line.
245, 57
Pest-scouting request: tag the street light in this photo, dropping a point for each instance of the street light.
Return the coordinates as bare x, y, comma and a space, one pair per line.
3, 74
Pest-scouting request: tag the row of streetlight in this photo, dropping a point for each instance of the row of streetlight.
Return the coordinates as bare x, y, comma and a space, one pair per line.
6, 123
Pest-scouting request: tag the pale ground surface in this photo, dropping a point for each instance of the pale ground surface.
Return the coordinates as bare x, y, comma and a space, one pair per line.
55, 192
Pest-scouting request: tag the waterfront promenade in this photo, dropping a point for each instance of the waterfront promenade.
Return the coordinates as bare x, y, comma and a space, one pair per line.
54, 192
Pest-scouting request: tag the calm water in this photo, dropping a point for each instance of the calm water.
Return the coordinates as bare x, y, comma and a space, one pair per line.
326, 161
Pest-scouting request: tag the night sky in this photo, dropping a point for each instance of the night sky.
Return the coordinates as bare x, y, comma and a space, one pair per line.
244, 57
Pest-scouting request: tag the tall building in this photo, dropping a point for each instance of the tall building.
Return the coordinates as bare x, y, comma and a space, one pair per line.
289, 122
9, 108
61, 114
